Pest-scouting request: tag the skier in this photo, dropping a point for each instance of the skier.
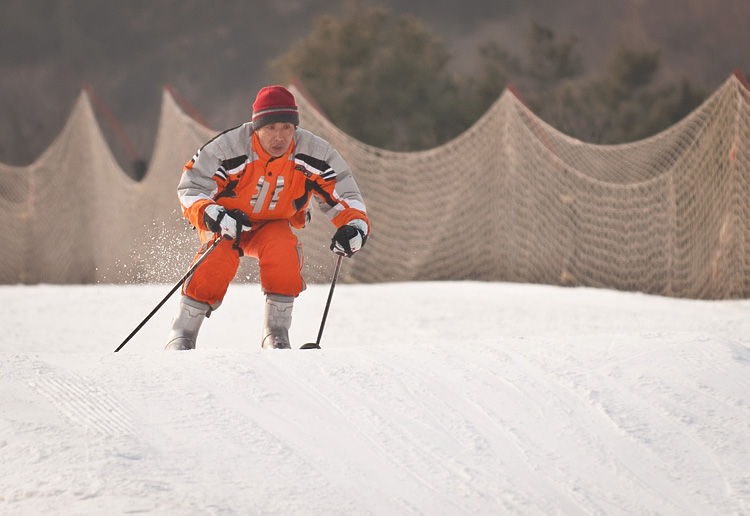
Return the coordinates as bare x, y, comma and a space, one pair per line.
249, 186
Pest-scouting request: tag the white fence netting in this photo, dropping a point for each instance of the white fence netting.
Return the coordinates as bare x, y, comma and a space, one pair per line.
511, 199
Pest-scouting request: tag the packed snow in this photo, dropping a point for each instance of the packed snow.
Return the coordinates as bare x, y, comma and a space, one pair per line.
442, 398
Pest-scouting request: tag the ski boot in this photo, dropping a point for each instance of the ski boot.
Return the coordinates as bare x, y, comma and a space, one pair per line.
278, 320
186, 324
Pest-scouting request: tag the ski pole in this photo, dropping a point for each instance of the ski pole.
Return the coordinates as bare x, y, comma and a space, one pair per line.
178, 285
316, 344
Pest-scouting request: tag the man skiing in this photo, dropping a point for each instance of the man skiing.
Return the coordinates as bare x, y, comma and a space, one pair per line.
249, 186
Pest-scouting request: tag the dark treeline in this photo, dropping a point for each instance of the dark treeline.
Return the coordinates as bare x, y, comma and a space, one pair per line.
408, 75
385, 79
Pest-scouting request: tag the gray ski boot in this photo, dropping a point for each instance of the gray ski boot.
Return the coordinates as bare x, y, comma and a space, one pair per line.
186, 324
277, 322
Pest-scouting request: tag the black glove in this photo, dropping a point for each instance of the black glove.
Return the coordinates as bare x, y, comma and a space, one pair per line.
228, 224
350, 238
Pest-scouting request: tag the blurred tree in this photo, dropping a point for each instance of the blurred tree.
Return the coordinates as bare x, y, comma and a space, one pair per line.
551, 61
623, 105
639, 107
380, 77
496, 68
629, 104
384, 79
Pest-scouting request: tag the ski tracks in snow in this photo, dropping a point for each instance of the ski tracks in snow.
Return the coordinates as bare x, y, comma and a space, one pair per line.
617, 425
74, 404
85, 403
643, 410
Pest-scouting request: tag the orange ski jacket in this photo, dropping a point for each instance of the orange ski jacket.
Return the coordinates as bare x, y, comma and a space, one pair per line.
234, 171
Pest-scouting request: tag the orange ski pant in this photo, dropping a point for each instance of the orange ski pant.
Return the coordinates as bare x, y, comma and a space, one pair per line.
279, 255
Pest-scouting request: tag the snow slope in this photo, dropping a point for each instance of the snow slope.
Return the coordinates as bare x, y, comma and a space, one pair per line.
455, 398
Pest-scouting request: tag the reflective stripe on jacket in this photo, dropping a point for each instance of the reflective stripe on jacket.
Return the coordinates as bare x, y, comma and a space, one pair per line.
234, 171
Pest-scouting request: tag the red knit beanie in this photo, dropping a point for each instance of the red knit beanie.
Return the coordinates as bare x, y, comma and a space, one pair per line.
274, 105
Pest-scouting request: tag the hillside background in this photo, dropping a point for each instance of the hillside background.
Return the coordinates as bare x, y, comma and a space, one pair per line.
215, 54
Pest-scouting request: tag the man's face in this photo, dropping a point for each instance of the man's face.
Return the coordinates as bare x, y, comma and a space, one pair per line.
276, 138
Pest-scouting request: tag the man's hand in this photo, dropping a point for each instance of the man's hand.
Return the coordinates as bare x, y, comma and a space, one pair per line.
229, 224
350, 238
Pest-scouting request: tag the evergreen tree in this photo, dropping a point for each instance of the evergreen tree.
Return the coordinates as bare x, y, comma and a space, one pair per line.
384, 79
380, 77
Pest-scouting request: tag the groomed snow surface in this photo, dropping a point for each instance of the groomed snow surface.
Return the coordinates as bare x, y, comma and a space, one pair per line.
454, 398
